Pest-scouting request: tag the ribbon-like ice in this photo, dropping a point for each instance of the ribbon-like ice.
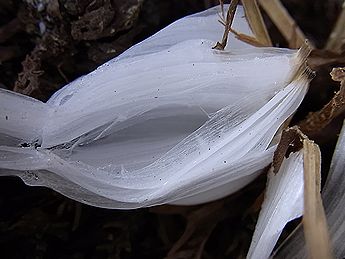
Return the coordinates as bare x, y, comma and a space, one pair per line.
170, 120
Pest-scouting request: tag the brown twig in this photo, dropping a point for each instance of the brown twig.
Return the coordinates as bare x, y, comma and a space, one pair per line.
316, 121
319, 58
247, 39
229, 18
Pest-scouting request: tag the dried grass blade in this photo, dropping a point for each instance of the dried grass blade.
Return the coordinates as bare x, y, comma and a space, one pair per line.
314, 220
285, 23
247, 39
336, 39
256, 22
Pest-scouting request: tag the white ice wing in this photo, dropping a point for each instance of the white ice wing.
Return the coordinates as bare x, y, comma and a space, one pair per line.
243, 173
143, 143
214, 154
230, 179
193, 171
171, 120
229, 134
21, 118
189, 75
283, 203
180, 68
14, 158
333, 196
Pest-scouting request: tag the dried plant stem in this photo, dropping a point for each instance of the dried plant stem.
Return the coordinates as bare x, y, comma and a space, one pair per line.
285, 23
256, 22
229, 18
336, 40
316, 121
314, 220
247, 39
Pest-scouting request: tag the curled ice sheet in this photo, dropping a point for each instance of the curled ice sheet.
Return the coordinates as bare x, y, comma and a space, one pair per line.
169, 121
333, 196
283, 203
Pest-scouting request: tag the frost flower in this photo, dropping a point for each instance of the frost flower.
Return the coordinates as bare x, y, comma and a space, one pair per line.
170, 120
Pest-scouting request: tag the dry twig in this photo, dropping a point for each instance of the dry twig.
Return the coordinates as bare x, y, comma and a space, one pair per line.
229, 18
320, 57
247, 39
